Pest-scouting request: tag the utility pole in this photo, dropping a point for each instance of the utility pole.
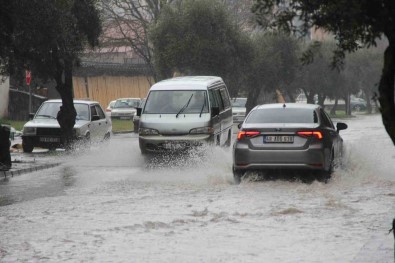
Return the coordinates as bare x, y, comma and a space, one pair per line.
28, 79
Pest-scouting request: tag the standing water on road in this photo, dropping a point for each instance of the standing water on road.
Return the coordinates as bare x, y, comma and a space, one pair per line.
111, 204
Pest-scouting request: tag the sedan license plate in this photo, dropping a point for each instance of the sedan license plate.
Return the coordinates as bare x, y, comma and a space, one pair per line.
49, 139
278, 139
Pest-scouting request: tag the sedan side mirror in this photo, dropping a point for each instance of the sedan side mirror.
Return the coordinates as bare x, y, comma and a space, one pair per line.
341, 126
239, 125
31, 116
138, 111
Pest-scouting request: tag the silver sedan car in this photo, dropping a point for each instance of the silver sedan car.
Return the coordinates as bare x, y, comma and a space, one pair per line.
287, 136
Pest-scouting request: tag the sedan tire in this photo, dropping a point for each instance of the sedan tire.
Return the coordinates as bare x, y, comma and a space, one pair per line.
27, 147
237, 175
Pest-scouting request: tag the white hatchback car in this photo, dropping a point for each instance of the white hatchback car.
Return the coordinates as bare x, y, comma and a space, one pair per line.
125, 108
43, 130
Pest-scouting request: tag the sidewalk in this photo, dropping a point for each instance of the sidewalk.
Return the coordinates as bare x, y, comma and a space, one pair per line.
25, 163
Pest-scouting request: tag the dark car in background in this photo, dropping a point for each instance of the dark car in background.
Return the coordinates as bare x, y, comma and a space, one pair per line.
287, 136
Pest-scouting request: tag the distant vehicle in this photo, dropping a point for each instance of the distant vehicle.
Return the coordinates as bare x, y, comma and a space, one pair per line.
136, 118
287, 136
185, 112
109, 107
238, 109
358, 104
125, 108
91, 124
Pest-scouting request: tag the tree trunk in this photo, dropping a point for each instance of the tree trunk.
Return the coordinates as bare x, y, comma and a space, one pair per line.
310, 97
67, 113
252, 98
368, 97
333, 110
386, 90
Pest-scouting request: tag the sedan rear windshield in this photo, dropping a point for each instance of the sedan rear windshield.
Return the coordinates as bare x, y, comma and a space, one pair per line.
283, 115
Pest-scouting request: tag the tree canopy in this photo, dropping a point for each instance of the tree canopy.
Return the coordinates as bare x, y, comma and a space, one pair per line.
353, 23
199, 38
47, 37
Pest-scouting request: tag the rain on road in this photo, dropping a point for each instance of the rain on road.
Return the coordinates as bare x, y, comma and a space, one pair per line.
110, 204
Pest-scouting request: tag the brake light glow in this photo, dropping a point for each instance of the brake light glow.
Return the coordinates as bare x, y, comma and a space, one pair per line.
316, 134
243, 134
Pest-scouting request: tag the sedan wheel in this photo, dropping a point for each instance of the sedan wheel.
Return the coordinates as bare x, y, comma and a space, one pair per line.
27, 147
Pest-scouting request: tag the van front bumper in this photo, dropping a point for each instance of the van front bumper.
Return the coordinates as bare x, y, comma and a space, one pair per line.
163, 143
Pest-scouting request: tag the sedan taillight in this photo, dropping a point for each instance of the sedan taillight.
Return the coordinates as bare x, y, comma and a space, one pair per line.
316, 134
243, 134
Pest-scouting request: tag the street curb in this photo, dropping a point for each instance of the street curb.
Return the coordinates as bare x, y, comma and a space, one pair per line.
121, 132
29, 170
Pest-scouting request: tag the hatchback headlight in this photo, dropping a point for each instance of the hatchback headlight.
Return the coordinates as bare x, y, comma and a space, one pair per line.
148, 131
29, 130
202, 130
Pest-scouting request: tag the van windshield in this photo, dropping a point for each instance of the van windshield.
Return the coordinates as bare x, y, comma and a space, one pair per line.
172, 101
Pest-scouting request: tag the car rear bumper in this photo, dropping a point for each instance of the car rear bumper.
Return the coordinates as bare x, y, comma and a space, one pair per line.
248, 159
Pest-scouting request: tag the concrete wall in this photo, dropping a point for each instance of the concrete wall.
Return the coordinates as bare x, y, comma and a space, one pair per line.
4, 96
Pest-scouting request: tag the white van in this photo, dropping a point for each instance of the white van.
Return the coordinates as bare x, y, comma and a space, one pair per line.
184, 112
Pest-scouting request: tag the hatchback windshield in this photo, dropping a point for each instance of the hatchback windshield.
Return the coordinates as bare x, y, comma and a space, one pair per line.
282, 115
176, 102
50, 110
127, 103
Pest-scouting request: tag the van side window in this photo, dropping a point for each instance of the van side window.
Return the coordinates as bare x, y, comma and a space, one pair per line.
218, 98
213, 101
225, 98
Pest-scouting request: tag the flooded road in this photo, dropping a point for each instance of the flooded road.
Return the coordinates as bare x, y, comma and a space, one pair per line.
111, 204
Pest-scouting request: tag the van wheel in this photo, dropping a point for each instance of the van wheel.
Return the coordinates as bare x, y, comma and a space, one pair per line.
228, 142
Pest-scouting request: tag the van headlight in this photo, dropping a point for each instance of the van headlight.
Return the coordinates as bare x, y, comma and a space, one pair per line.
148, 131
29, 130
202, 130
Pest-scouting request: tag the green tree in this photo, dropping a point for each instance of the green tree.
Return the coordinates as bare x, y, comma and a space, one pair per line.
47, 37
363, 69
354, 24
199, 38
273, 66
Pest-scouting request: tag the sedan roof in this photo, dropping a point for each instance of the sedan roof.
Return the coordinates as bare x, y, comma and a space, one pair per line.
288, 105
75, 101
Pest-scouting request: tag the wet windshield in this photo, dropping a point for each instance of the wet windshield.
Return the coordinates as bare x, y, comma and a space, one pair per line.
50, 110
176, 101
127, 103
